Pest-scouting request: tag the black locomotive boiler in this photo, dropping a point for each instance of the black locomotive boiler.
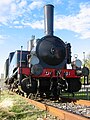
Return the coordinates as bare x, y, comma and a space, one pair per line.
42, 69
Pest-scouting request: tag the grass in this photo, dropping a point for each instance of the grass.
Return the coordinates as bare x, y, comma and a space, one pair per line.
78, 95
13, 107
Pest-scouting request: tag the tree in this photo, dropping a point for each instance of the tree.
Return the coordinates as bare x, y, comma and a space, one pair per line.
87, 64
87, 61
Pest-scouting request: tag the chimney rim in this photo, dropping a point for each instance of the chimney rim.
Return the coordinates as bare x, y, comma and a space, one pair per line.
49, 5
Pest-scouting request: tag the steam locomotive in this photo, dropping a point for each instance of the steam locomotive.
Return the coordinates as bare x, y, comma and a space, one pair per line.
42, 69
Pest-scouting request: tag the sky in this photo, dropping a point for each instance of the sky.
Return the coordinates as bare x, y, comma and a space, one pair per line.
20, 19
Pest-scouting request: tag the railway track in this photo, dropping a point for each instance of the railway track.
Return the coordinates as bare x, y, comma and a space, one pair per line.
72, 110
64, 109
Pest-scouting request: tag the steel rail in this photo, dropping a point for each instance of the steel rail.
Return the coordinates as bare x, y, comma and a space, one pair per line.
83, 102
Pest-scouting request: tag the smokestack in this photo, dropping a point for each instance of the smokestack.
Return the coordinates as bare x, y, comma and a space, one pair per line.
48, 19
